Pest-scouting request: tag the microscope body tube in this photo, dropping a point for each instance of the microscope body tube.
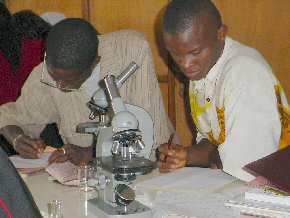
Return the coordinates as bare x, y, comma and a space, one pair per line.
100, 98
132, 67
114, 95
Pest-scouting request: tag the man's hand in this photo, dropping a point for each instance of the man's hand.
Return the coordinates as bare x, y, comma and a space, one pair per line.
203, 154
73, 153
28, 147
171, 157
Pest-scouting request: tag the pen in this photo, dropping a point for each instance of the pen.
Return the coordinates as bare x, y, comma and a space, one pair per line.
170, 141
169, 145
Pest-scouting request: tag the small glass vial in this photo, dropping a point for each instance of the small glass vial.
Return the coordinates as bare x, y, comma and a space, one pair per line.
55, 209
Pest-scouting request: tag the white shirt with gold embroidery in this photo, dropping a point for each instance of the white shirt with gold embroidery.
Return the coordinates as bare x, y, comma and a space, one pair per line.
241, 84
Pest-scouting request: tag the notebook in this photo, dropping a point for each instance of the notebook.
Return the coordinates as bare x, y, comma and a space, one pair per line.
66, 173
274, 167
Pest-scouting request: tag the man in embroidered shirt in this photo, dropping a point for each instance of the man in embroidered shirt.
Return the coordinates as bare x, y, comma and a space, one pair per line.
236, 102
76, 59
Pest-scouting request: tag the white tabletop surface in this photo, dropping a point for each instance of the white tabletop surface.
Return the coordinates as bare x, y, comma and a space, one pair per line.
44, 191
73, 200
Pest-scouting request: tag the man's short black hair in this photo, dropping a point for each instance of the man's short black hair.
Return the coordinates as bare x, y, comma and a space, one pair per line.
180, 14
72, 44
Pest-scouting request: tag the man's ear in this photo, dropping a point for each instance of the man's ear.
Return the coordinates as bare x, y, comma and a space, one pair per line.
222, 32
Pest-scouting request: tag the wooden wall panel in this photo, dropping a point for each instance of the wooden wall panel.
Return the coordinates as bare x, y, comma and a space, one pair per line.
144, 16
141, 15
71, 8
264, 25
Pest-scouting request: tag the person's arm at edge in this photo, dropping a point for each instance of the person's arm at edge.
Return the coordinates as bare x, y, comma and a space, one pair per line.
11, 132
26, 110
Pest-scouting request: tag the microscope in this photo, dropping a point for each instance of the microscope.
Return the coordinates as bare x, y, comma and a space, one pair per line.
122, 141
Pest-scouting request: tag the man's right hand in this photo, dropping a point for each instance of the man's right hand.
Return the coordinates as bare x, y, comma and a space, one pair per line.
171, 157
28, 147
203, 154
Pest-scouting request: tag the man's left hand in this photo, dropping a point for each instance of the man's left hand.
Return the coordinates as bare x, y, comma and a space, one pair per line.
73, 153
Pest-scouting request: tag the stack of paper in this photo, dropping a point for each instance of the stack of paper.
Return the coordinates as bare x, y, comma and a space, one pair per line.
267, 196
262, 202
260, 209
273, 202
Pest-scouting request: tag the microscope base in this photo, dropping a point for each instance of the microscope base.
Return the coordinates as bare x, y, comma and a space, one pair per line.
104, 210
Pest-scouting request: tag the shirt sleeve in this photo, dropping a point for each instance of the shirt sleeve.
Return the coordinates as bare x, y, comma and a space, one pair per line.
143, 89
34, 105
251, 117
162, 125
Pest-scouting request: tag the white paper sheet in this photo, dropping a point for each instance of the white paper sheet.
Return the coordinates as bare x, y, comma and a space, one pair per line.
189, 179
20, 162
189, 205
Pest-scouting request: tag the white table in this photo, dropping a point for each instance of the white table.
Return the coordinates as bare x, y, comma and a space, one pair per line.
73, 201
74, 204
44, 190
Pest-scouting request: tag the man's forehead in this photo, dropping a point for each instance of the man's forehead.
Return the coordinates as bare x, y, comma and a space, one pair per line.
190, 38
200, 32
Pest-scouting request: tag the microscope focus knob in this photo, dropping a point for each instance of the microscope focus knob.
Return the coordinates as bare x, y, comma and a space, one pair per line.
124, 194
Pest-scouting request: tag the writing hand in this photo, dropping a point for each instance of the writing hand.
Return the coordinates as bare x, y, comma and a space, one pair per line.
73, 153
28, 147
171, 157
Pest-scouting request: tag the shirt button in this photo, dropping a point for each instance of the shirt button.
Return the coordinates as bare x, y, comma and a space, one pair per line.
208, 99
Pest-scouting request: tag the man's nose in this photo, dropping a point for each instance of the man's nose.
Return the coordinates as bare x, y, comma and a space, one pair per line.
185, 62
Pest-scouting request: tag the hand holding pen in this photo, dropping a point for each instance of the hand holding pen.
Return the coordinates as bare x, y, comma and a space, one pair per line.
169, 145
171, 156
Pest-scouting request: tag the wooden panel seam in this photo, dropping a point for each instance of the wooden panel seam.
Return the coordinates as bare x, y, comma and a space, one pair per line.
86, 10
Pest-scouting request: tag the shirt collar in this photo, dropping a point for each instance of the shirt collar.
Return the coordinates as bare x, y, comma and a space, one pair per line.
214, 72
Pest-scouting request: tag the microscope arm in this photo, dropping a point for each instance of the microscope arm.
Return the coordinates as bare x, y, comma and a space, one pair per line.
122, 118
98, 103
